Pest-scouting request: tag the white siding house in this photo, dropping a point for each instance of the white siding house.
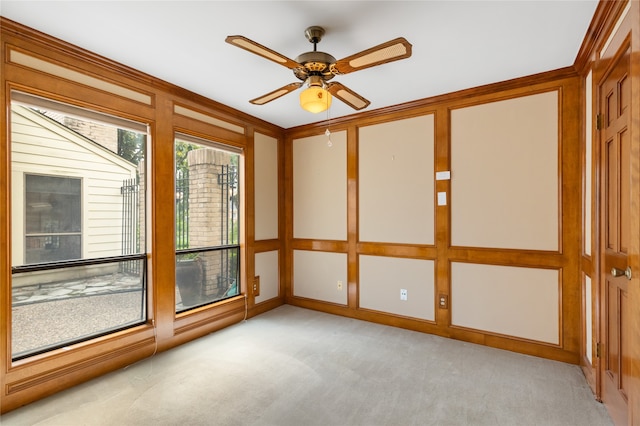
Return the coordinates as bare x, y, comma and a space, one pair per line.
43, 147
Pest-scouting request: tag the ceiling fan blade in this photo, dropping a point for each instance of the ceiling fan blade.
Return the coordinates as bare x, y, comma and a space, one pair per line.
276, 94
390, 51
347, 96
265, 52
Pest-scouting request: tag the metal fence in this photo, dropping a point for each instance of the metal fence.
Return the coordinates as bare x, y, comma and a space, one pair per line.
130, 191
182, 213
228, 181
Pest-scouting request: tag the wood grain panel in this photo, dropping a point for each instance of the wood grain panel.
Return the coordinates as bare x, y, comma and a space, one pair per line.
566, 258
619, 26
37, 63
397, 250
41, 375
353, 289
634, 226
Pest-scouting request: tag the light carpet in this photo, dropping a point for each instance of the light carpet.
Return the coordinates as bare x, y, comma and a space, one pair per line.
292, 366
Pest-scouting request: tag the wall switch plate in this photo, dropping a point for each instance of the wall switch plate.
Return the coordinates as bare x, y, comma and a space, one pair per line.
339, 285
444, 175
403, 294
256, 286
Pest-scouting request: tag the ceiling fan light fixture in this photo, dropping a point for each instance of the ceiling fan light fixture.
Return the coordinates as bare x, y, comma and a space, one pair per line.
315, 99
316, 68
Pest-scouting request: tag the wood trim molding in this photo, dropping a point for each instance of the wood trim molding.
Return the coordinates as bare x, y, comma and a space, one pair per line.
595, 33
60, 51
28, 380
35, 377
76, 367
566, 260
429, 105
204, 320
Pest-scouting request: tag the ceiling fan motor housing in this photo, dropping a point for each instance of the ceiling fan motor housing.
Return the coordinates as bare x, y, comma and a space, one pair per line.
314, 63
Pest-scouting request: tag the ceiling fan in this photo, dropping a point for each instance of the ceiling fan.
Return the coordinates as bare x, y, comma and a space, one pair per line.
315, 69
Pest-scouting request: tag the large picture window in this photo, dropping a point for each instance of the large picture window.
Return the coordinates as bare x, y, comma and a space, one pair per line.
78, 224
207, 222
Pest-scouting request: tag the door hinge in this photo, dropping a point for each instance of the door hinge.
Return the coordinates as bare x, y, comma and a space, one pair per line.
599, 122
598, 346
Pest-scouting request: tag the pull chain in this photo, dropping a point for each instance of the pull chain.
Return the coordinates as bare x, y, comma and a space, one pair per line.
327, 132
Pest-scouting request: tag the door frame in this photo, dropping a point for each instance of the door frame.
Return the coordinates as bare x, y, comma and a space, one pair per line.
620, 29
618, 409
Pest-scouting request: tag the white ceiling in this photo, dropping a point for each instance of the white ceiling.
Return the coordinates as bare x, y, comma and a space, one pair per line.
456, 44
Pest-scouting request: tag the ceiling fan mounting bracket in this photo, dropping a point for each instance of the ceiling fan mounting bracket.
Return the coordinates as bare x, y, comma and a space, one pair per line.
314, 34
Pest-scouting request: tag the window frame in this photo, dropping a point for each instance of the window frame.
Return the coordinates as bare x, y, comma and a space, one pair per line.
95, 115
211, 143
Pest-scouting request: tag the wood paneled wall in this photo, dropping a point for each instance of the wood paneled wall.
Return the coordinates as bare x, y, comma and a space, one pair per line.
558, 256
35, 63
85, 79
615, 26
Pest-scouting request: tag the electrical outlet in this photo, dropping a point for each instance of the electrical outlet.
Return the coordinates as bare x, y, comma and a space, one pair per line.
256, 286
443, 301
403, 294
339, 285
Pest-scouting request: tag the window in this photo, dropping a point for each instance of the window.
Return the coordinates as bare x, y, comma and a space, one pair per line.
52, 218
207, 222
78, 224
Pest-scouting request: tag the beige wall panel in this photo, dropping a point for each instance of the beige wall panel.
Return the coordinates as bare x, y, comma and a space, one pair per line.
266, 267
320, 187
514, 301
396, 181
187, 112
266, 187
382, 278
589, 319
316, 275
504, 174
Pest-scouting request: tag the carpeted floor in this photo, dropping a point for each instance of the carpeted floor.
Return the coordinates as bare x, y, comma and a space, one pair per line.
293, 366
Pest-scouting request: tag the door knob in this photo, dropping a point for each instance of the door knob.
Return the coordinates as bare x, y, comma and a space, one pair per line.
619, 272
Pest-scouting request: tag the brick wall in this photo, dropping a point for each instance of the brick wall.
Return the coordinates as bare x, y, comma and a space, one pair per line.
107, 136
205, 212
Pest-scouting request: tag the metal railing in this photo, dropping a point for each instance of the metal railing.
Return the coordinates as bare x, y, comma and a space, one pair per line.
130, 191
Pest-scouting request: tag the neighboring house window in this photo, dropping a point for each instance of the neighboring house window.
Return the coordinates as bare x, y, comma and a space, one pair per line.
53, 222
77, 223
207, 222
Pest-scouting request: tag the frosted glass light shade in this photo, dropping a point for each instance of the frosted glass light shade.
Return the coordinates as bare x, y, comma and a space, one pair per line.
315, 99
